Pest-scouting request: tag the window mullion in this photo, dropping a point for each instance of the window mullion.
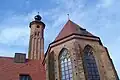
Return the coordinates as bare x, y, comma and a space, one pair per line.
66, 66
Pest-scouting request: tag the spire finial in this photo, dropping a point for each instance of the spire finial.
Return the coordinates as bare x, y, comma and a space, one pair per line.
68, 17
38, 13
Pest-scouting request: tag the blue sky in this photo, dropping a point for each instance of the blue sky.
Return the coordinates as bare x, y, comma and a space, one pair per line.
100, 17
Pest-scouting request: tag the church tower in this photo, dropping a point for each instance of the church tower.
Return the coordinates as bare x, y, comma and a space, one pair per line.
36, 43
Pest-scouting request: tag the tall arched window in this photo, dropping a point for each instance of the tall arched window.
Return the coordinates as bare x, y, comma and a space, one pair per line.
91, 69
65, 65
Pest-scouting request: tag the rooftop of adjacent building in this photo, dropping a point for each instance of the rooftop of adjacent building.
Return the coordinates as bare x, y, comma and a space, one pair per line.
10, 69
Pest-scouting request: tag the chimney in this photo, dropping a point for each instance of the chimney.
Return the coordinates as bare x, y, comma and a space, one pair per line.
20, 58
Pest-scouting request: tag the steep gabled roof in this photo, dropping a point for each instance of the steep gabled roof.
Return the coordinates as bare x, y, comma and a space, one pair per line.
72, 28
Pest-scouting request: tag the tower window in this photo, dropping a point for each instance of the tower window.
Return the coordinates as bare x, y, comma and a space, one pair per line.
90, 64
25, 77
38, 26
65, 65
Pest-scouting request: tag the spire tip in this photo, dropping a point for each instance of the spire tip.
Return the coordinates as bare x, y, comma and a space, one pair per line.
68, 17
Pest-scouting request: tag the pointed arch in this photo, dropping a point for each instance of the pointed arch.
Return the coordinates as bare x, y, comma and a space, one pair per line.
65, 65
90, 66
62, 50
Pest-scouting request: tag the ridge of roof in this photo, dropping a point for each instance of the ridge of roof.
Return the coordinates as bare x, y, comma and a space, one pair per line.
6, 57
70, 28
12, 58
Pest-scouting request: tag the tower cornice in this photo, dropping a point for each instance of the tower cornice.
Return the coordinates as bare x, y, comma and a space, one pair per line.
37, 22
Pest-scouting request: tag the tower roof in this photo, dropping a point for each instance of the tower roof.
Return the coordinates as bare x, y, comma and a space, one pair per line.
37, 21
72, 28
38, 17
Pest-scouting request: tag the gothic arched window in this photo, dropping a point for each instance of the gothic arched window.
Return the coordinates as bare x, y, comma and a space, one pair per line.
91, 69
65, 65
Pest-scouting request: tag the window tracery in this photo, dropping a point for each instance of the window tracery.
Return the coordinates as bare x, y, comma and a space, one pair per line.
90, 64
65, 65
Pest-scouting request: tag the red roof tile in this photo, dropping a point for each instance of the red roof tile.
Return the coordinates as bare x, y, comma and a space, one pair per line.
9, 70
72, 28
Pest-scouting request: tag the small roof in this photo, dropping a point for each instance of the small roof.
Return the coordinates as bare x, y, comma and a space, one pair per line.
9, 70
72, 28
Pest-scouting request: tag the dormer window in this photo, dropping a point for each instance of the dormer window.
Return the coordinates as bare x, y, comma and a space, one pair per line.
20, 58
25, 77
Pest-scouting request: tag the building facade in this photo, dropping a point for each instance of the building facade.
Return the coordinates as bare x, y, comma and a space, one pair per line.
75, 54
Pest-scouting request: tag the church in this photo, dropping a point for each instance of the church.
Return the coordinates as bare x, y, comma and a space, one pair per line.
75, 54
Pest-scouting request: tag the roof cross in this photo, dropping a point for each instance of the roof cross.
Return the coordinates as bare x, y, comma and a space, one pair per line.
38, 13
68, 17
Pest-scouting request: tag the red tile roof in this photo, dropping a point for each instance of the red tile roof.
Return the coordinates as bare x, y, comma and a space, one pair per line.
9, 70
72, 28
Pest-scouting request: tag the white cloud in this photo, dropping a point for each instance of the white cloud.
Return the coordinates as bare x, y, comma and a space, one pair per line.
107, 3
7, 53
14, 33
10, 35
16, 28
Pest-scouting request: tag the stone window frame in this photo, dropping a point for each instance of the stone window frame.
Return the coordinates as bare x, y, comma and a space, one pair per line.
65, 65
88, 51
